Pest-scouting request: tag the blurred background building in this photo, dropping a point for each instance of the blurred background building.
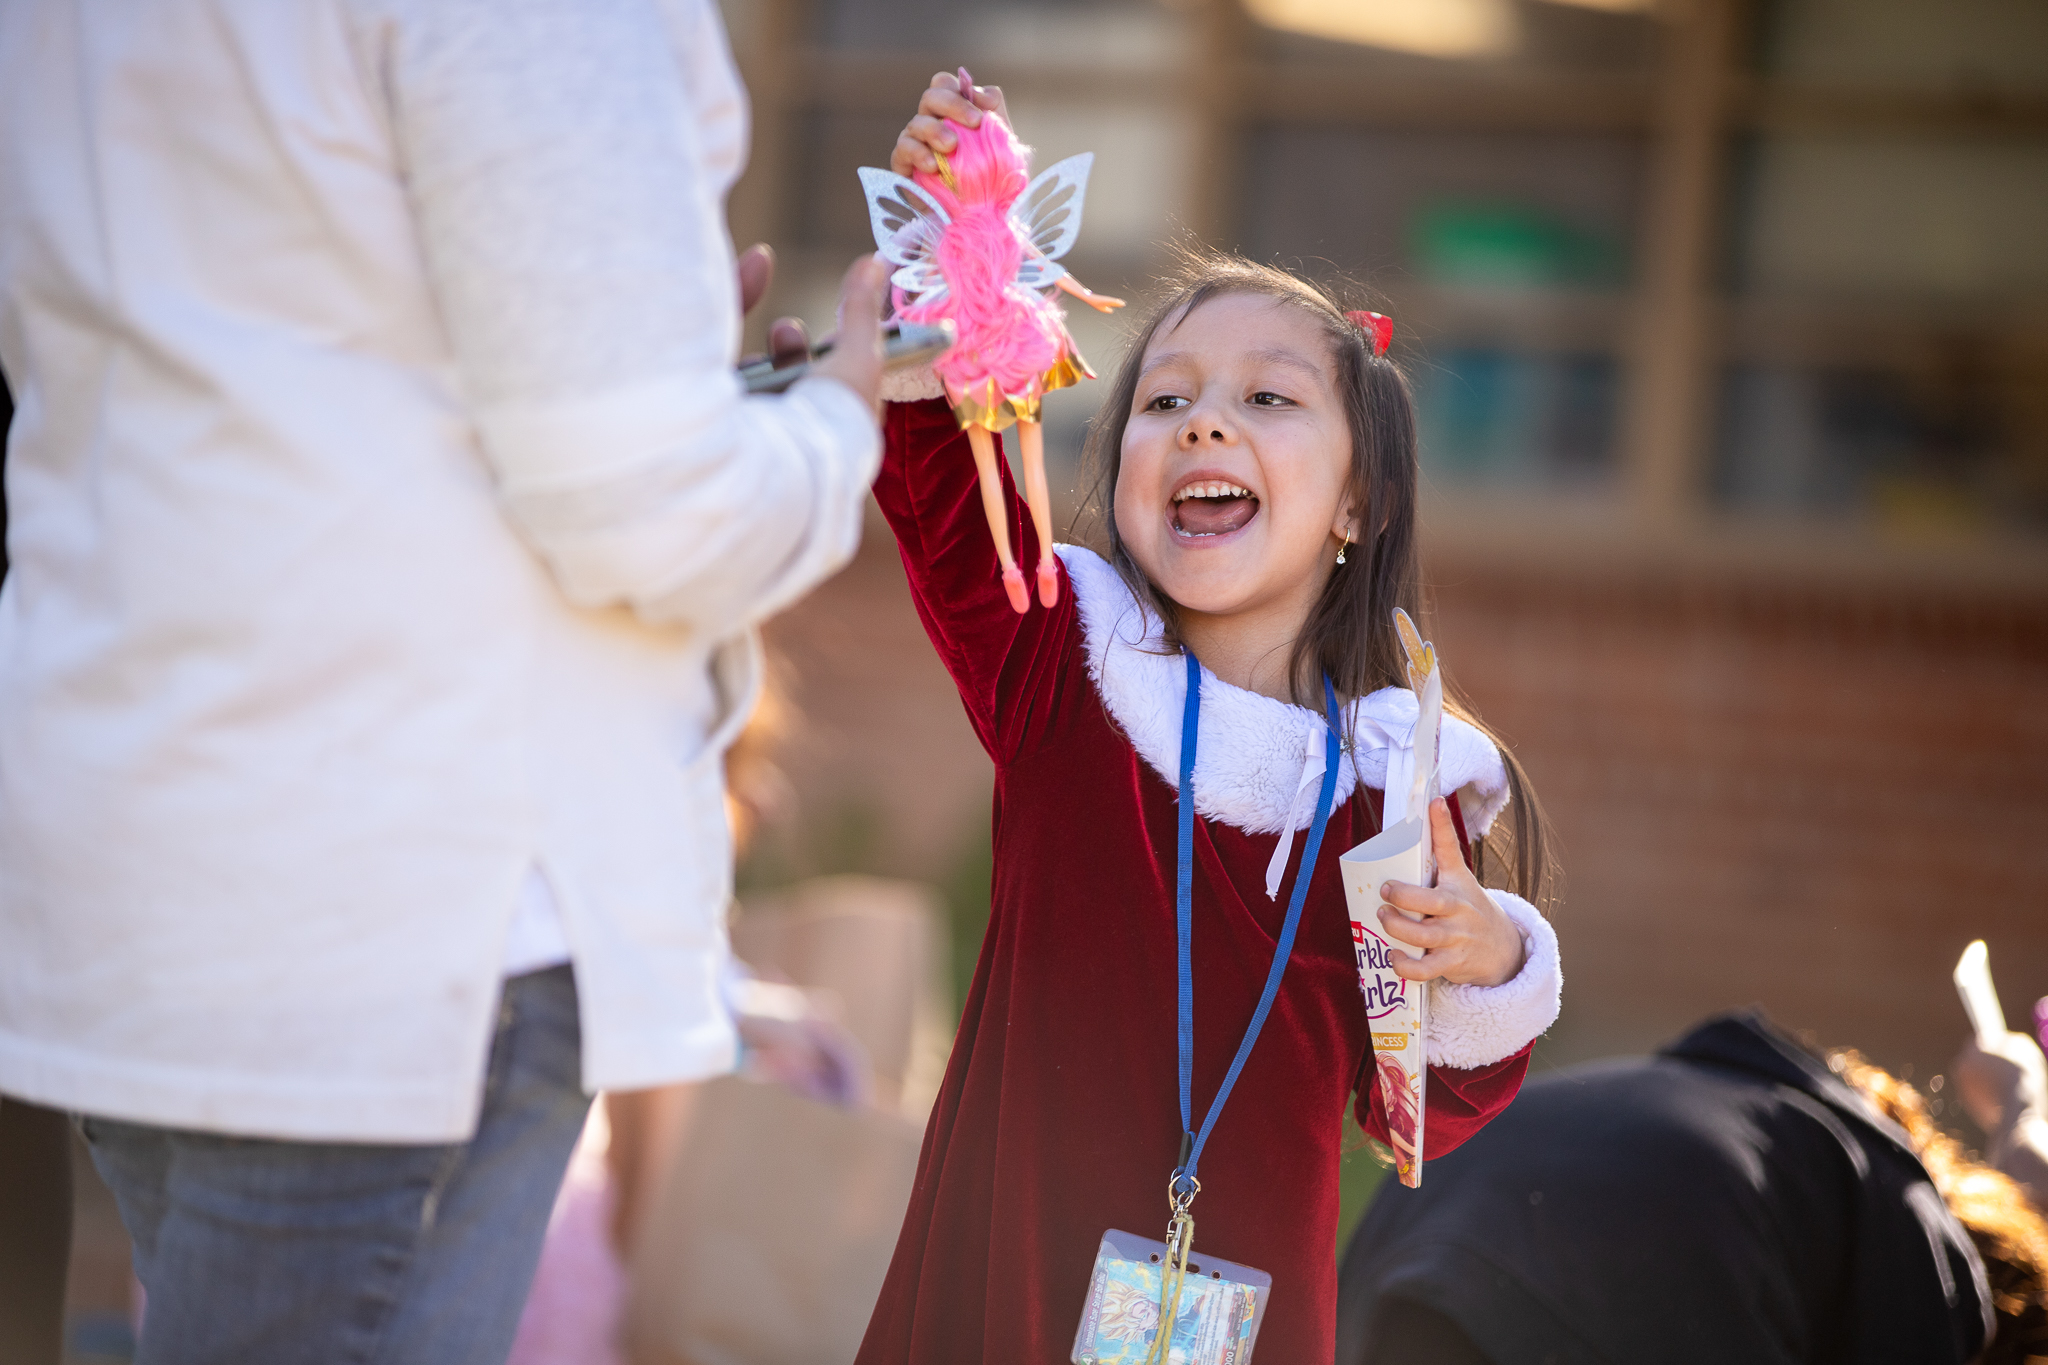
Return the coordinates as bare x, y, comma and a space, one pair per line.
1726, 320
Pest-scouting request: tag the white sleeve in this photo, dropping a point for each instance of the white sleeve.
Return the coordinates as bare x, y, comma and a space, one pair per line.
566, 170
1477, 1025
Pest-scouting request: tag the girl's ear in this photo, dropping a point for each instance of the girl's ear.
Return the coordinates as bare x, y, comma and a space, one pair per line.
1345, 527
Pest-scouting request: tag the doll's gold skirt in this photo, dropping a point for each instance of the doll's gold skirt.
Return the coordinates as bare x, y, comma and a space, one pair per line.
986, 406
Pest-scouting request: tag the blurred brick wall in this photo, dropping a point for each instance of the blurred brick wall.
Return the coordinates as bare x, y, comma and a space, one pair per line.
1807, 797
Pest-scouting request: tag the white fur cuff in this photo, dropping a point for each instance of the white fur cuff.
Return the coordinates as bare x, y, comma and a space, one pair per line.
1477, 1025
910, 386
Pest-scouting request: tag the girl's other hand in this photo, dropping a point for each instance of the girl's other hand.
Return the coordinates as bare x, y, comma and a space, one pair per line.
928, 131
1466, 939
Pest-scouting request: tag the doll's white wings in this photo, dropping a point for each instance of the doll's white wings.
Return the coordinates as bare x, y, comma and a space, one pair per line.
907, 225
1048, 217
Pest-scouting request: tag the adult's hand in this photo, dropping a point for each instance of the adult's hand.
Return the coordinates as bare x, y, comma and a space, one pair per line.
789, 343
927, 130
856, 357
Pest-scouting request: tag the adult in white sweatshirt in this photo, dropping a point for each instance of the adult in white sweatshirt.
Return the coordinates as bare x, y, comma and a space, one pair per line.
388, 534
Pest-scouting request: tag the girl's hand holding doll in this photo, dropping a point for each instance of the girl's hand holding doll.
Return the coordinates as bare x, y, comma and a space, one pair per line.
1466, 938
926, 138
927, 131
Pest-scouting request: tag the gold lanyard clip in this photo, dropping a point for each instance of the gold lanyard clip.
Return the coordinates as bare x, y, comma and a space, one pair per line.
1180, 1246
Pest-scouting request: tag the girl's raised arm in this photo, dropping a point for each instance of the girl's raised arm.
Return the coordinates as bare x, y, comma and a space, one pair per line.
1006, 665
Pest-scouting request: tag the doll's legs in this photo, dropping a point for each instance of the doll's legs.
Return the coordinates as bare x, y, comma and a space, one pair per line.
1031, 441
998, 515
1101, 303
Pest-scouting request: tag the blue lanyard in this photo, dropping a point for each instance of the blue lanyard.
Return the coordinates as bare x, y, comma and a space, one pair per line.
1191, 1142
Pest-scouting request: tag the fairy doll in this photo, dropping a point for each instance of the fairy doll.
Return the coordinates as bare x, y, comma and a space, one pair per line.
977, 242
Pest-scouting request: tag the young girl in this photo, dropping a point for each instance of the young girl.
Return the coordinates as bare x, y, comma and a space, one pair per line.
1258, 461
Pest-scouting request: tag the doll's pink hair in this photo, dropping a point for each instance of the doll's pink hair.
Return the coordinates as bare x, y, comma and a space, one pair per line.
1007, 333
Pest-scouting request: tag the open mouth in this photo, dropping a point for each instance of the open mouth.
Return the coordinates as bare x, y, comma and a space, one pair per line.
1212, 507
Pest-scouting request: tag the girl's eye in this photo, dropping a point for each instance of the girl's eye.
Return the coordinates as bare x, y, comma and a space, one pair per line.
1267, 399
1166, 402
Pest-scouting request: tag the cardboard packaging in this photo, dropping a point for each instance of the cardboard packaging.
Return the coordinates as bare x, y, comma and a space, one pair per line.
1396, 1009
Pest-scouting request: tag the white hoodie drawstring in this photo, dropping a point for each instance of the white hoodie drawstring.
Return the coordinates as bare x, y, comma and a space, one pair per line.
1311, 775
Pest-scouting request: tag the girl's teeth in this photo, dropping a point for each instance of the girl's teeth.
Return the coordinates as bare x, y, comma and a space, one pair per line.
1212, 507
1211, 489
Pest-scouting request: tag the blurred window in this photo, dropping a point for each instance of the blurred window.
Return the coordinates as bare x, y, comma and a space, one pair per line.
834, 145
1838, 316
1084, 31
1517, 420
1479, 210
1892, 216
1930, 448
1967, 44
1504, 253
1414, 38
1883, 361
1479, 163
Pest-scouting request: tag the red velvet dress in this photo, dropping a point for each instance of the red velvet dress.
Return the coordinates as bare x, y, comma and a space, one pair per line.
1059, 1115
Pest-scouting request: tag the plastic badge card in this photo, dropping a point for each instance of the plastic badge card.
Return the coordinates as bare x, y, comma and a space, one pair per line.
1396, 1009
1216, 1320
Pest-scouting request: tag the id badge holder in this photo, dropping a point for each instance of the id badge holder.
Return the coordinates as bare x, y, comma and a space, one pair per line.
1217, 1316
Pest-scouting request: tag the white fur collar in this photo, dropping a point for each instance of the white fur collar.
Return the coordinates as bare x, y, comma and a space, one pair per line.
1250, 763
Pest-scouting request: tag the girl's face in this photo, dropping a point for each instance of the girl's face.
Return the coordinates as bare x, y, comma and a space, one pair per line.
1232, 492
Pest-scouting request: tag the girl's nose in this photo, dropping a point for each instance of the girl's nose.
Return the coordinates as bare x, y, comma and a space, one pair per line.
1195, 433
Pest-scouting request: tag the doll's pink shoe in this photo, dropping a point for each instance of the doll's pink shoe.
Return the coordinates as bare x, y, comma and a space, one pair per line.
1048, 582
1013, 584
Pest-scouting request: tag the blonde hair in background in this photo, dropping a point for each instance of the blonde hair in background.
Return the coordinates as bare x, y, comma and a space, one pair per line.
2009, 1232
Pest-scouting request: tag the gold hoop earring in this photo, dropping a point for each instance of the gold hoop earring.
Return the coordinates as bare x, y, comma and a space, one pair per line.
1342, 548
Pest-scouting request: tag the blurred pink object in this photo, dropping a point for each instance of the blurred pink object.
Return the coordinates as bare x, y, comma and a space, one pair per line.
579, 1292
2041, 1022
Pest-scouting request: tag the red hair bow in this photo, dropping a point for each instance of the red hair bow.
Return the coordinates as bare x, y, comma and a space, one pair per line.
1377, 326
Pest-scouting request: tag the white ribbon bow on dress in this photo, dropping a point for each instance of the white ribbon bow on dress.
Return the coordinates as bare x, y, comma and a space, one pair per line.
1368, 731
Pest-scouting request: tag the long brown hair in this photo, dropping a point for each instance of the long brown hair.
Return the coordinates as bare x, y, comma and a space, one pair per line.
1349, 633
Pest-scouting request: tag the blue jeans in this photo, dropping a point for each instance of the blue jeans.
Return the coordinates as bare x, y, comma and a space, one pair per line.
254, 1250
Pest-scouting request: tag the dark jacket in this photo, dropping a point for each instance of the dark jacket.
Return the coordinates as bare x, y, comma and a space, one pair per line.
1728, 1199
